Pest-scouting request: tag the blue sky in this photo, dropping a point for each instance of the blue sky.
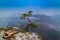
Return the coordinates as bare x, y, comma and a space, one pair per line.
23, 3
12, 7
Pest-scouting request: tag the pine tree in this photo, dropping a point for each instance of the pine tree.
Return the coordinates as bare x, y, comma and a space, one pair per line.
30, 23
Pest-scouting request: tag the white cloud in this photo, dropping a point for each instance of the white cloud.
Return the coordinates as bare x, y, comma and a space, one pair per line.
8, 12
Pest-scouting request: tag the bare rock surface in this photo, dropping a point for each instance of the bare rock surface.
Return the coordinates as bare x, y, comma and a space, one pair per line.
21, 35
26, 36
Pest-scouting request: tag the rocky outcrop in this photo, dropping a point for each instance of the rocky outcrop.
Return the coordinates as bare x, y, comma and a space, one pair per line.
19, 35
27, 36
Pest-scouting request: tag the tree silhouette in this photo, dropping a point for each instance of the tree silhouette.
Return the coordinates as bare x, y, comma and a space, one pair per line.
30, 23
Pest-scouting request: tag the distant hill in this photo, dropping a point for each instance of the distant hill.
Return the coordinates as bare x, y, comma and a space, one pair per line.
47, 27
43, 18
56, 18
